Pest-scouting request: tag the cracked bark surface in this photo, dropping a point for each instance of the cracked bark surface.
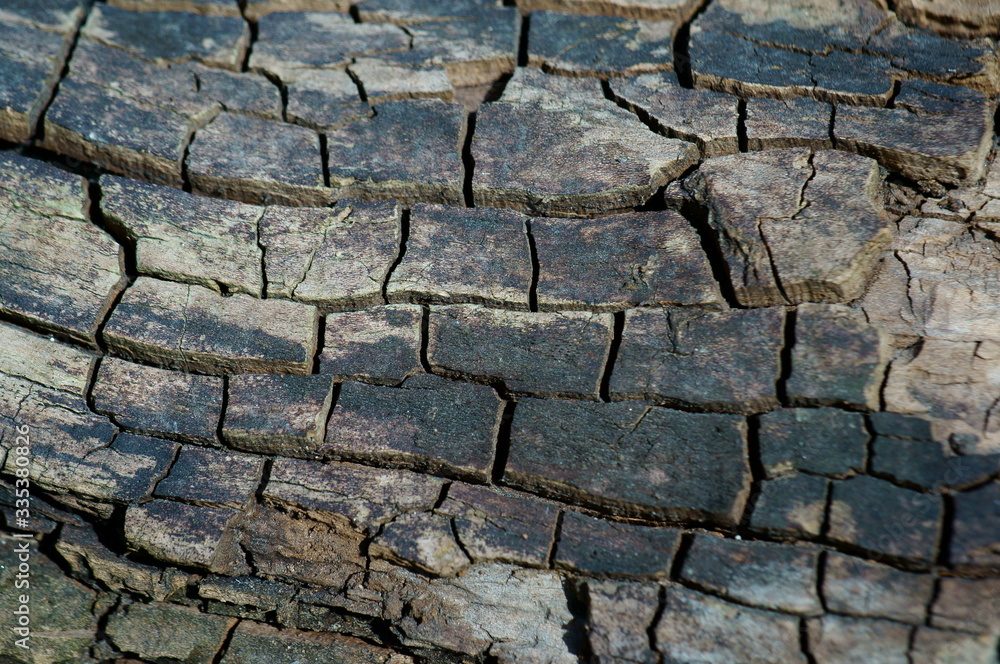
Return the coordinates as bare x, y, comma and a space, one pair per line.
416, 332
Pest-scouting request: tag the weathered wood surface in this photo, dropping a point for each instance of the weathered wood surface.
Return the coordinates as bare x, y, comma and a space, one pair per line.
195, 328
796, 226
741, 407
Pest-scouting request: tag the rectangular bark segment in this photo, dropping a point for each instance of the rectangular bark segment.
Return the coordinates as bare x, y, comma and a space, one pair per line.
394, 77
653, 462
838, 358
726, 361
159, 401
204, 7
62, 16
699, 628
293, 40
410, 150
703, 117
861, 588
59, 271
76, 456
32, 59
824, 441
863, 508
187, 238
934, 132
217, 478
194, 328
836, 51
44, 361
324, 99
194, 636
258, 161
184, 534
552, 354
429, 424
788, 123
674, 10
619, 617
271, 414
365, 497
136, 129
171, 36
791, 505
603, 46
421, 541
576, 160
599, 546
63, 431
332, 258
796, 226
258, 643
764, 574
837, 638
974, 531
379, 345
135, 118
496, 526
619, 261
475, 48
256, 9
476, 255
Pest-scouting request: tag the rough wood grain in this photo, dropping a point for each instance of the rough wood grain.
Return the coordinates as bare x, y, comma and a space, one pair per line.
429, 424
571, 161
658, 462
159, 401
633, 259
194, 239
258, 161
703, 117
410, 150
59, 272
44, 361
171, 36
215, 478
297, 40
762, 574
792, 225
551, 354
788, 123
865, 513
574, 45
379, 344
678, 356
32, 58
205, 7
597, 546
696, 627
479, 255
394, 78
678, 11
271, 414
822, 441
837, 358
934, 132
334, 258
194, 328
493, 525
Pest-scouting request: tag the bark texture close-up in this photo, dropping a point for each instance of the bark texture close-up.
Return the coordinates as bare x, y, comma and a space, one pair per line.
481, 332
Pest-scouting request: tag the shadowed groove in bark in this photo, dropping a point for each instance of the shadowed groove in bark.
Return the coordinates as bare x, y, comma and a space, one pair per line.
37, 128
468, 161
609, 365
502, 448
404, 236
